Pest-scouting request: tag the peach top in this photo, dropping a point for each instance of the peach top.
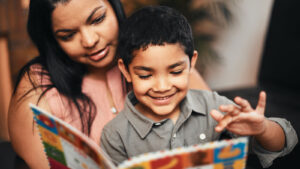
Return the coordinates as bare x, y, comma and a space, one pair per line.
97, 91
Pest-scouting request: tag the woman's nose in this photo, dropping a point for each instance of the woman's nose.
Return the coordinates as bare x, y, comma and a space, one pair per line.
89, 38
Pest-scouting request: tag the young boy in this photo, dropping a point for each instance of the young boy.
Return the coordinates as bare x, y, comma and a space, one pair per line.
156, 56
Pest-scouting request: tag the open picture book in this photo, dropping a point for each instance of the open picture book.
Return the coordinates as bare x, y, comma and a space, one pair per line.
68, 148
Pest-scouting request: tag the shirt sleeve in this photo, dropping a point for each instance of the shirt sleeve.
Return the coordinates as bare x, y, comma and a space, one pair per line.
266, 157
111, 143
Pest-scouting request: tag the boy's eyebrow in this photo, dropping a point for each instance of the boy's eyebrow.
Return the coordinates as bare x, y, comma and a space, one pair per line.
176, 64
142, 68
169, 67
87, 21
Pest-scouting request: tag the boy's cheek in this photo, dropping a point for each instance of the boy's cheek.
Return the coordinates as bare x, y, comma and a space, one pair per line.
140, 87
181, 83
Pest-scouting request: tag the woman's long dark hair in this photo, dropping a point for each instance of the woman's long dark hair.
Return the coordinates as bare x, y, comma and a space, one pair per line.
65, 74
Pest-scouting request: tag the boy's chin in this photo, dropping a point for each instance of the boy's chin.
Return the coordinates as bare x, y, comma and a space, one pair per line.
162, 113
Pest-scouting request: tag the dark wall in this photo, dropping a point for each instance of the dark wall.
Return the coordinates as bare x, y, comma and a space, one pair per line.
281, 56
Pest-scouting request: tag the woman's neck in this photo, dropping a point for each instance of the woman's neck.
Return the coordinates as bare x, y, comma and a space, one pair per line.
97, 73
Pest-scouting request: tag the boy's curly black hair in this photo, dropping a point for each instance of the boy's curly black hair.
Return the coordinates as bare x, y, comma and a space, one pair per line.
154, 25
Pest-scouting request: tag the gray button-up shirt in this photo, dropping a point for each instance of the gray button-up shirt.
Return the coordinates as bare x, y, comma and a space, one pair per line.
130, 133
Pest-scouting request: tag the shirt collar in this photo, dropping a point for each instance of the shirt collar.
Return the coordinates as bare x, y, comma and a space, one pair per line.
193, 102
143, 125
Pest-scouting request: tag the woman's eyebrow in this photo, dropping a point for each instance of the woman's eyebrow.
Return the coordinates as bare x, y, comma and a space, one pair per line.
92, 14
63, 30
87, 21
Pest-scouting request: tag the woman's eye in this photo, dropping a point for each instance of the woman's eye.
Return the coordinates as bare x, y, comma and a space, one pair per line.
144, 76
99, 19
177, 72
67, 37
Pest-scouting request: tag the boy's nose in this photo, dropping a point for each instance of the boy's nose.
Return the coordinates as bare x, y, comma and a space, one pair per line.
162, 84
89, 39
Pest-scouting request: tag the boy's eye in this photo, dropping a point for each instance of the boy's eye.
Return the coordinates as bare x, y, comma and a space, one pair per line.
99, 19
177, 72
144, 76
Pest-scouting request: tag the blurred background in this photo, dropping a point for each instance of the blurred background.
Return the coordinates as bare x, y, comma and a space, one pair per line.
244, 46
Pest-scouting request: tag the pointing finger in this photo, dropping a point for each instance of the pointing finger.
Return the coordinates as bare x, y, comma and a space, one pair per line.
261, 104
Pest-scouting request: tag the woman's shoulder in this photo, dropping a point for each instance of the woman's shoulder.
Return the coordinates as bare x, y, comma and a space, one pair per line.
39, 74
35, 82
31, 76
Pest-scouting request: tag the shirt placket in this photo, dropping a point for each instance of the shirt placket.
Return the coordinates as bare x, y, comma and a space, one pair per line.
177, 139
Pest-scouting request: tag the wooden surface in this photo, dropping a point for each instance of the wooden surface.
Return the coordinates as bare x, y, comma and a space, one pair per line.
5, 86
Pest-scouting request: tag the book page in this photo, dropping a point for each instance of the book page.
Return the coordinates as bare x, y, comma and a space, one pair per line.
65, 146
225, 154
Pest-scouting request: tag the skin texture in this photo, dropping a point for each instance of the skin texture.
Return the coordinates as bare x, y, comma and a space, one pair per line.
159, 86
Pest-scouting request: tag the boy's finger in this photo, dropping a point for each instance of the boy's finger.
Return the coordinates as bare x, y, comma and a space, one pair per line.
261, 102
227, 108
223, 123
216, 115
231, 109
245, 105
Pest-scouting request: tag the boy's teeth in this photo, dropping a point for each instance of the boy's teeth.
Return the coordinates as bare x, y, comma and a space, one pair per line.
161, 98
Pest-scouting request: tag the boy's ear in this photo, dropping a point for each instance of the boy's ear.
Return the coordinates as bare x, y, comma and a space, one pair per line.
194, 59
124, 70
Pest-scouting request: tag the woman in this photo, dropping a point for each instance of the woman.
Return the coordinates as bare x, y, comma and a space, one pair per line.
75, 77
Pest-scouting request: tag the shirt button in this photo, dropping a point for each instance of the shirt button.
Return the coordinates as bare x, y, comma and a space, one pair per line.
202, 136
174, 136
157, 124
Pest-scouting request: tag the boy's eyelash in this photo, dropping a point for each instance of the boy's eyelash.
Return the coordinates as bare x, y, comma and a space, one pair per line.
144, 77
147, 76
99, 19
177, 72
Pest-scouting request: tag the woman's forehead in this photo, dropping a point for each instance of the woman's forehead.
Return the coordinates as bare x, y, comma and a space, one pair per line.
76, 11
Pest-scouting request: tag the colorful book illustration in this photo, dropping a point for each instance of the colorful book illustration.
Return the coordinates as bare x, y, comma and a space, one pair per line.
68, 148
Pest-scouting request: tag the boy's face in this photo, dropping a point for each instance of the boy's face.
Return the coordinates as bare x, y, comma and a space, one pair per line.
160, 78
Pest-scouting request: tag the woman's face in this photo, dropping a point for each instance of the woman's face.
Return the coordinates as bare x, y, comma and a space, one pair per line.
87, 30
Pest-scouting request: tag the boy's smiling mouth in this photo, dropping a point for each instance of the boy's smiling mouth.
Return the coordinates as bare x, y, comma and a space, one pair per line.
162, 100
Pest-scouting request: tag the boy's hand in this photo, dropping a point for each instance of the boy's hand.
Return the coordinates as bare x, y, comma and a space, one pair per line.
242, 119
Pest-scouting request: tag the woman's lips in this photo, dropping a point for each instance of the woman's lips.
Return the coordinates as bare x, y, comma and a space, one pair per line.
99, 55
